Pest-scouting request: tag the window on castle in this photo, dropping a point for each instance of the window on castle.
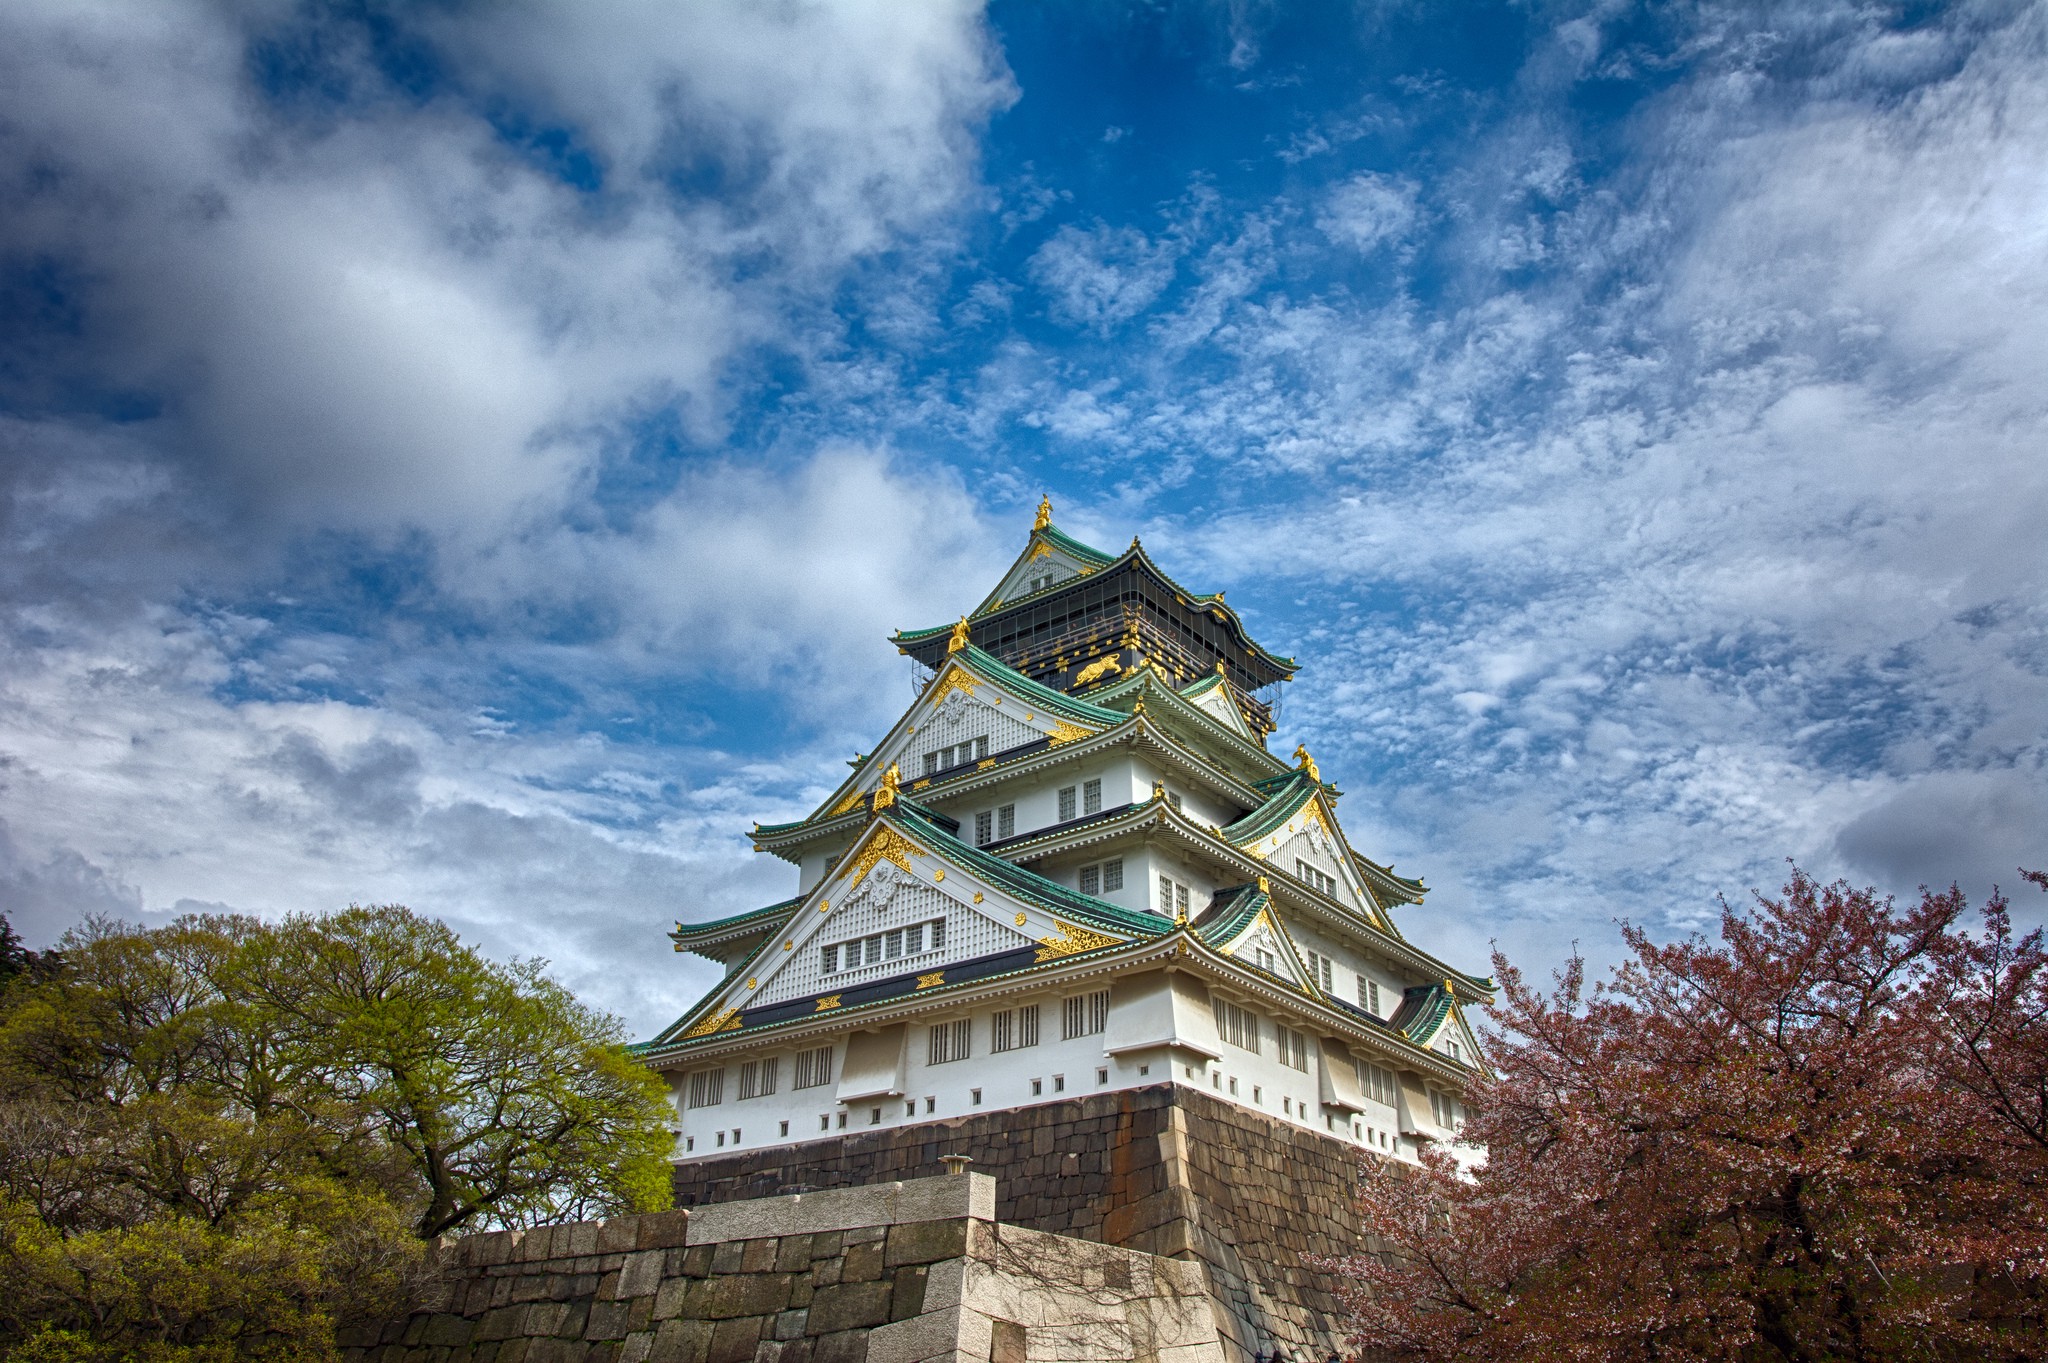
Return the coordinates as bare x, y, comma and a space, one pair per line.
1319, 969
876, 947
955, 755
707, 1088
758, 1077
1091, 797
812, 1068
1103, 877
1377, 1083
1173, 897
1369, 996
1085, 1014
1173, 798
1315, 878
984, 828
1041, 582
1013, 1029
1066, 803
1293, 1049
1446, 1111
1238, 1026
1006, 821
951, 1041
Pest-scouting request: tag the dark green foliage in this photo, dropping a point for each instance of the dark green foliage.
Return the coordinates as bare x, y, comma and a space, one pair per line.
220, 1138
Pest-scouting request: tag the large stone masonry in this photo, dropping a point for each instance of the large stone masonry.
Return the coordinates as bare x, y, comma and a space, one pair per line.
1168, 1170
902, 1272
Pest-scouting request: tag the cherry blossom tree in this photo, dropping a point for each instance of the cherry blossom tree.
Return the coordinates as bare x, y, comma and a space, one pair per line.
1823, 1136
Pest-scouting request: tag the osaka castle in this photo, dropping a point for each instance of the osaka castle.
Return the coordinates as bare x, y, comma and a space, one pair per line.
1074, 865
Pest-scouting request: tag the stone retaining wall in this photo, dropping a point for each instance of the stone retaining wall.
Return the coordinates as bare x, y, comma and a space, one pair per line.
1168, 1170
901, 1272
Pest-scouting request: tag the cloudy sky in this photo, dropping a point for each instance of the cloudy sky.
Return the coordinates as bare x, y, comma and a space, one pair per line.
470, 455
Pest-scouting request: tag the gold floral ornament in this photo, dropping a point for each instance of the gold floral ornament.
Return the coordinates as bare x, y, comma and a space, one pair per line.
1307, 763
958, 639
725, 1020
1044, 518
848, 805
892, 783
827, 1004
1069, 941
955, 679
1067, 733
931, 981
886, 845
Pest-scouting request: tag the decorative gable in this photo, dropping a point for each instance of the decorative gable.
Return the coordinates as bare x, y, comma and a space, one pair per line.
1265, 945
892, 908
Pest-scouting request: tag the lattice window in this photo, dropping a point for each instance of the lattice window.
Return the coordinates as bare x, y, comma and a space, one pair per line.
1236, 1025
758, 1077
1013, 1029
707, 1088
812, 1068
952, 1041
1085, 1014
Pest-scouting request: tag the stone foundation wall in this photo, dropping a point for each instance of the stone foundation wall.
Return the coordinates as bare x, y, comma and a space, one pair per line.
1168, 1170
912, 1272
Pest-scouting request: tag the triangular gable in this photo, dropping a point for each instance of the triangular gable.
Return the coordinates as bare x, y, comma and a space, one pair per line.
892, 880
1212, 696
1264, 943
1310, 833
968, 713
1048, 560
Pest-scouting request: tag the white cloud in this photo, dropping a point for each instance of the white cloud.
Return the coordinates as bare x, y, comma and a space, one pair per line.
1100, 277
1369, 211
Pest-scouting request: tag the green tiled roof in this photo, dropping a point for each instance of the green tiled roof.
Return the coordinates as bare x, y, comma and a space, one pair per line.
1029, 885
1229, 913
1289, 791
686, 931
1423, 1010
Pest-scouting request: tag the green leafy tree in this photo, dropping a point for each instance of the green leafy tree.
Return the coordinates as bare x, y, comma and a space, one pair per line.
221, 1137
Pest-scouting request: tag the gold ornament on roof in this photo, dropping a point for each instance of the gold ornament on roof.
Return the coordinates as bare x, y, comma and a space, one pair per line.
1098, 669
725, 1020
1069, 941
1264, 886
848, 805
1307, 763
885, 794
1044, 517
1067, 733
958, 639
886, 845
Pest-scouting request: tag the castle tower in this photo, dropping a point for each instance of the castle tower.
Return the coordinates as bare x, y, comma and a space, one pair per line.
1072, 870
1073, 865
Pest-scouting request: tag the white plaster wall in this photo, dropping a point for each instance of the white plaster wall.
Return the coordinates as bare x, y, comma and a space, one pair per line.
1061, 1069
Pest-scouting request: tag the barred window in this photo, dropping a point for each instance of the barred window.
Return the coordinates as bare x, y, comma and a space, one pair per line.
758, 1077
1112, 874
1293, 1049
1085, 1014
984, 827
951, 1041
1066, 803
707, 1088
1319, 969
812, 1068
1013, 1029
1091, 880
1238, 1026
1445, 1109
1091, 797
1173, 897
1377, 1083
1006, 821
931, 763
913, 940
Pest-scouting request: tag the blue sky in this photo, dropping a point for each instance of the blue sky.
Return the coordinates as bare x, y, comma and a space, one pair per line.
471, 455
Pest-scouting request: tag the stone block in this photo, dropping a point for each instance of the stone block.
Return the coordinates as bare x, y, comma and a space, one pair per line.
861, 1235
936, 1334
574, 1321
927, 1242
827, 1245
607, 1320
906, 1297
582, 1238
727, 1257
512, 1351
862, 1263
640, 1313
697, 1261
668, 1301
750, 1294
640, 1277
759, 1255
618, 1235
849, 1306
680, 1341
635, 1349
734, 1341
448, 1331
791, 1324
847, 1346
797, 1351
544, 1319
883, 1204
793, 1254
662, 1230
